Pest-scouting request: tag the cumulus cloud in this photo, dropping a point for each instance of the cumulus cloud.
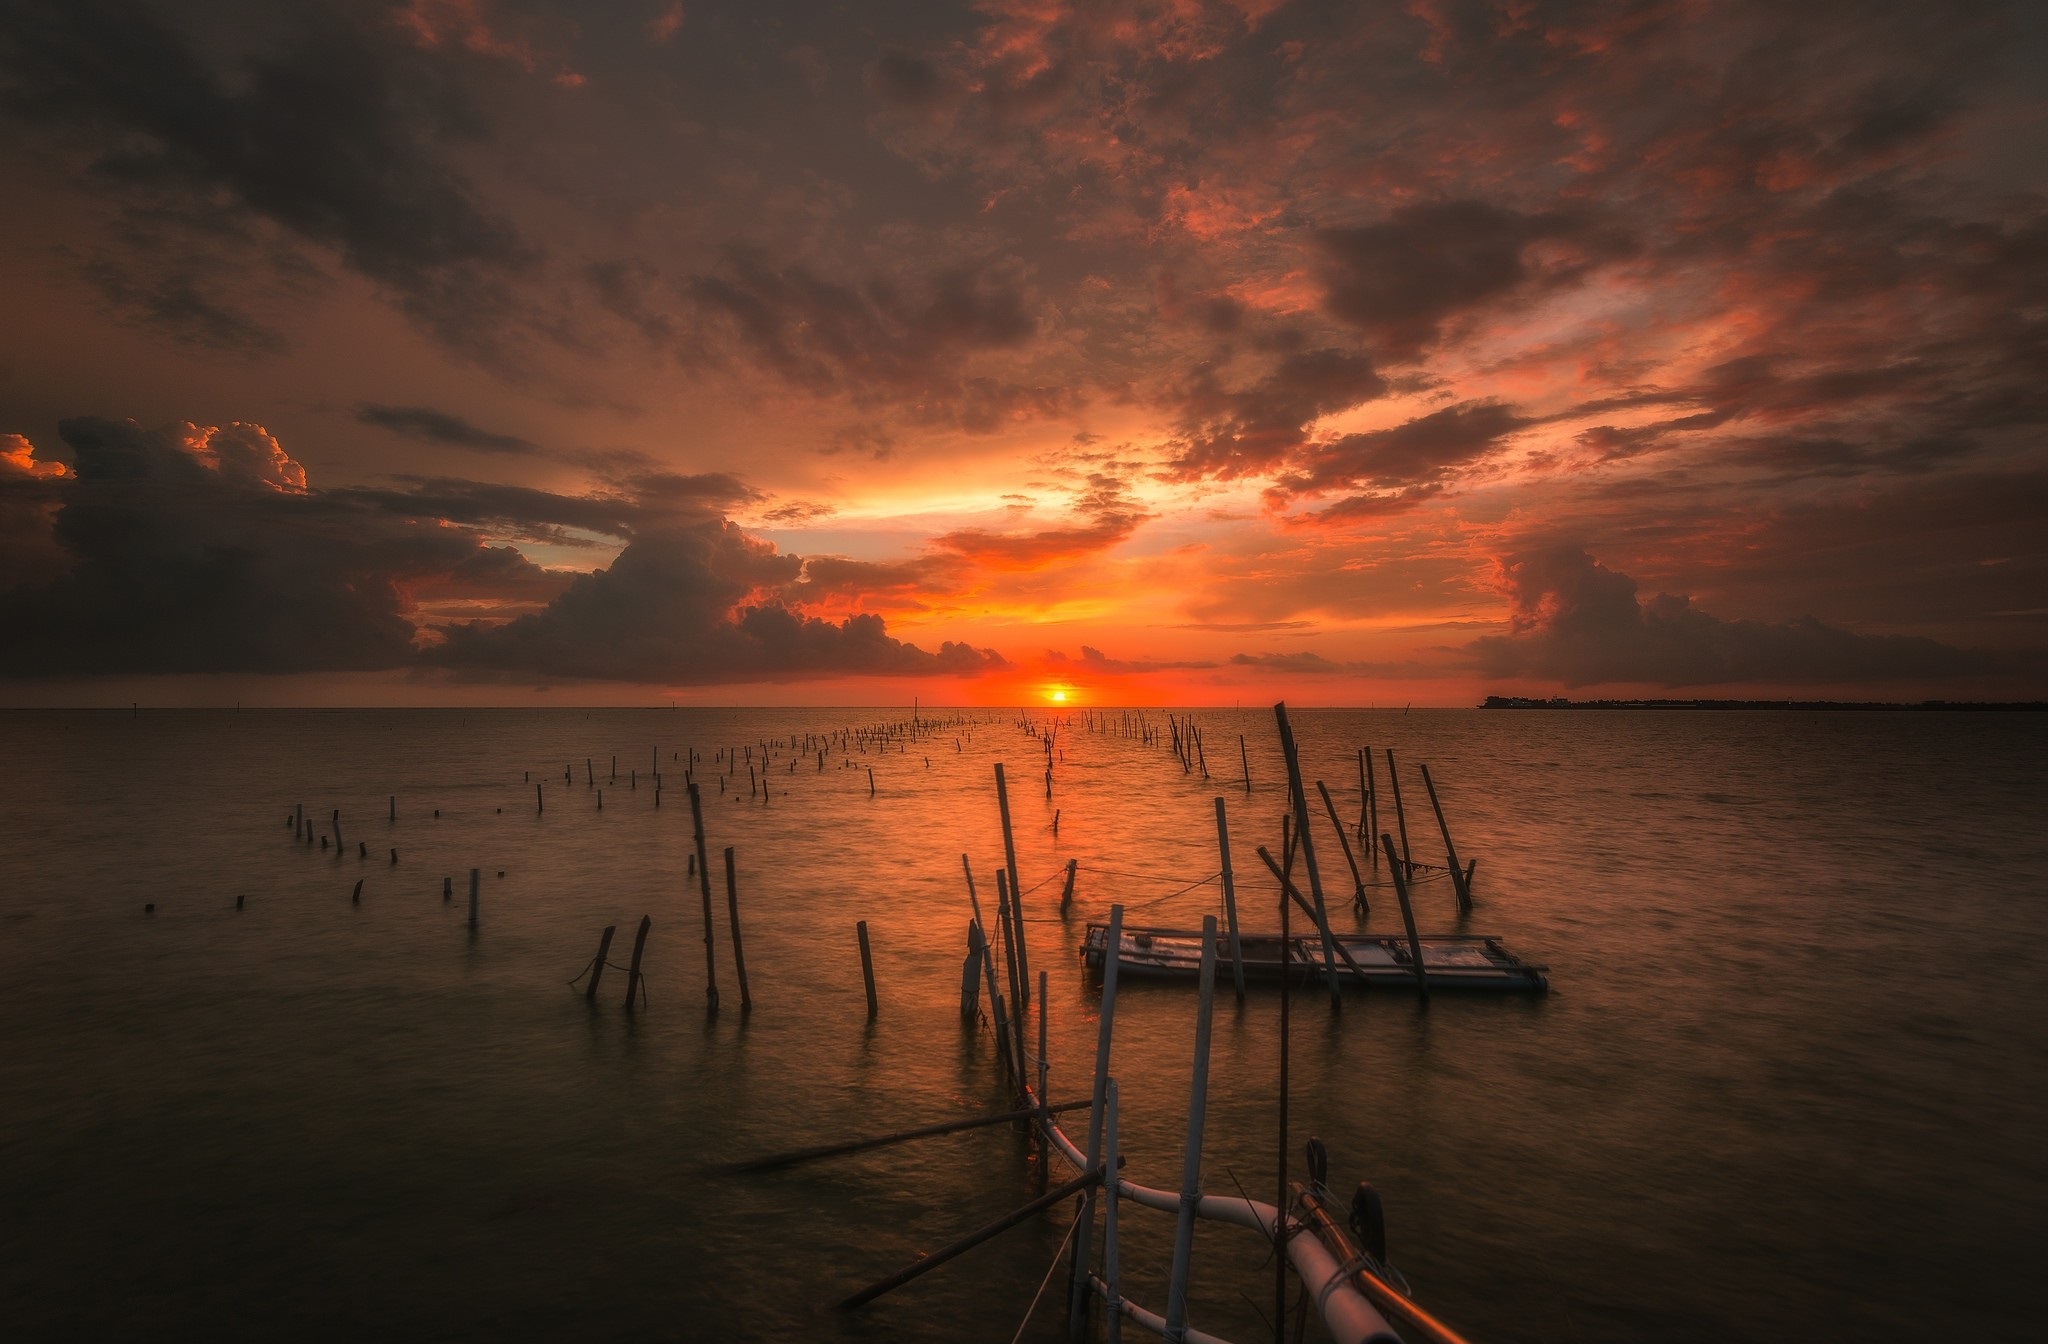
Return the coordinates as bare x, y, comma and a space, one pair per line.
1577, 622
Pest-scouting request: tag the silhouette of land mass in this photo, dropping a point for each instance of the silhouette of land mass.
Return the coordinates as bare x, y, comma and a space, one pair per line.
1560, 702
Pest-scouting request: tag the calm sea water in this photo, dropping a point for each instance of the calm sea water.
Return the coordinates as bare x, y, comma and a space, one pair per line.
1789, 1079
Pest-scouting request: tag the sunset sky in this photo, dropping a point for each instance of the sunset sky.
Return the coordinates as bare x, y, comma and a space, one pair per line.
1350, 353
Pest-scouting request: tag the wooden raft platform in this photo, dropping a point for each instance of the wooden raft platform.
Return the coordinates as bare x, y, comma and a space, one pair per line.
1449, 960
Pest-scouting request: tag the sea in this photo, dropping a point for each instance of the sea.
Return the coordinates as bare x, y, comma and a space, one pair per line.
1787, 1082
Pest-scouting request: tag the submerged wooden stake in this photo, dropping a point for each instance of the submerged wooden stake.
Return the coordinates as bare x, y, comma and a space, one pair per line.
1067, 892
356, 897
1394, 870
1400, 816
867, 968
732, 912
604, 947
1230, 901
704, 886
970, 973
1016, 891
1308, 847
633, 989
1450, 850
475, 877
1357, 881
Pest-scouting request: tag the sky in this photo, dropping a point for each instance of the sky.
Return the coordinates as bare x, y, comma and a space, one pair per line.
477, 351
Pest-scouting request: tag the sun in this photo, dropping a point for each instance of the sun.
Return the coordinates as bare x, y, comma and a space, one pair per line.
1059, 695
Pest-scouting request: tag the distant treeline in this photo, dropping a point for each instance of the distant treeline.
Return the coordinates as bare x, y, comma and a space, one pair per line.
1559, 702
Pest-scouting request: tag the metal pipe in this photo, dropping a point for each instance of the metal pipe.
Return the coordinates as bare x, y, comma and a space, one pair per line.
1077, 1298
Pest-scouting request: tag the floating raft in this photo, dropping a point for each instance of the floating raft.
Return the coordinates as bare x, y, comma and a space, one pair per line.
1449, 960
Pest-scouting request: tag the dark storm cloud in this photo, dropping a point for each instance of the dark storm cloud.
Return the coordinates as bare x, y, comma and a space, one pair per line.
178, 303
1252, 430
432, 426
1094, 660
200, 551
1400, 281
336, 138
1396, 463
695, 604
1580, 623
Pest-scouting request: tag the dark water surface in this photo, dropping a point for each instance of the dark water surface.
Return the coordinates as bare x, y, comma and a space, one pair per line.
1789, 1080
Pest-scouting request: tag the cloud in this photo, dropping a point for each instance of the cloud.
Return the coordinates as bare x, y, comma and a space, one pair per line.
1228, 434
1112, 513
432, 426
1094, 660
1402, 280
689, 605
1577, 622
1399, 466
200, 549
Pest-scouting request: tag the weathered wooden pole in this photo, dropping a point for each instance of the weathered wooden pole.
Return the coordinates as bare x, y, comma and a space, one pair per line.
1191, 1158
732, 913
1044, 1117
394, 807
336, 822
1006, 916
867, 968
997, 1018
704, 887
1246, 762
1280, 1200
1308, 846
356, 897
1016, 889
298, 819
1105, 1030
1230, 900
1372, 806
1407, 915
539, 803
633, 991
1450, 850
1112, 1266
475, 880
776, 1161
1357, 881
1067, 892
1400, 814
925, 1264
604, 947
970, 973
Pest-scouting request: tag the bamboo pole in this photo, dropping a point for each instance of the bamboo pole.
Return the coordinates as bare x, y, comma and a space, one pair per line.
1112, 1266
1308, 846
633, 983
1372, 806
1230, 901
732, 914
604, 947
867, 968
704, 887
1246, 761
1450, 850
1358, 882
1016, 889
926, 1263
1407, 916
1400, 815
1191, 1153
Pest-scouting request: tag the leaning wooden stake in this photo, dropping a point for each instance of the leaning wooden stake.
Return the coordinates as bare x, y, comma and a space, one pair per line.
604, 947
801, 1155
925, 1264
1357, 882
1372, 805
1016, 891
1308, 847
704, 887
1246, 762
1230, 901
475, 879
1400, 814
970, 973
732, 913
1191, 1158
633, 989
867, 968
1450, 850
1394, 870
1067, 892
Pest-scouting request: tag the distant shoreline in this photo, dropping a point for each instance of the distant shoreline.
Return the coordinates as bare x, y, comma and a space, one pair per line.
1559, 702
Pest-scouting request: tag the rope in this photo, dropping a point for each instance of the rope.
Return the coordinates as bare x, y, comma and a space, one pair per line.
1049, 1270
1147, 877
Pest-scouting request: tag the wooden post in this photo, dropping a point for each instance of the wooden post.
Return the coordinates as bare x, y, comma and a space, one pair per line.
1105, 1027
988, 970
1044, 1117
1112, 1268
1246, 762
589, 775
447, 889
1006, 919
1067, 892
604, 947
970, 973
1400, 814
704, 886
356, 897
1191, 1153
1407, 915
633, 991
1372, 806
1450, 850
298, 819
1016, 889
1280, 1201
1229, 900
394, 807
867, 968
475, 879
1358, 882
539, 804
871, 781
732, 912
1308, 846
336, 821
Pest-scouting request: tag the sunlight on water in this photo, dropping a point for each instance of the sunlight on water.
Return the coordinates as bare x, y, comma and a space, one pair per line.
1786, 1080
